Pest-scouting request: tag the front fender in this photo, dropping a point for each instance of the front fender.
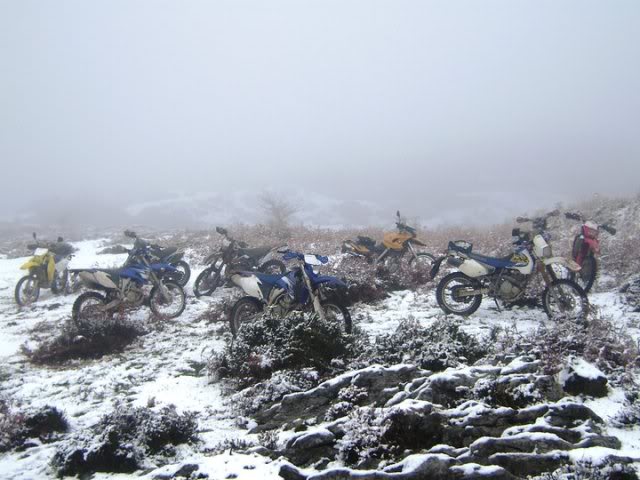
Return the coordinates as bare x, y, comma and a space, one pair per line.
568, 263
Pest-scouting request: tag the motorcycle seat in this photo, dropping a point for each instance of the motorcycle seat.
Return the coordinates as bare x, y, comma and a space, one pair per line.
496, 262
368, 241
112, 273
165, 252
256, 253
268, 279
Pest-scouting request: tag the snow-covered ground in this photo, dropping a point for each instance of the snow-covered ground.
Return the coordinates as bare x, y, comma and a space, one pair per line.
166, 366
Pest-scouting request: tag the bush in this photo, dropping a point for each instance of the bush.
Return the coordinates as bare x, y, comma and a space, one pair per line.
281, 383
16, 428
86, 340
269, 344
124, 438
362, 442
441, 345
599, 341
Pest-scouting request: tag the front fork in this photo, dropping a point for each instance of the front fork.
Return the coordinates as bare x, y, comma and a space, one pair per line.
317, 306
386, 251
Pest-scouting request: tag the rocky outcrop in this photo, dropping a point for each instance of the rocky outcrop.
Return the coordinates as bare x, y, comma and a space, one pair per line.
412, 411
381, 384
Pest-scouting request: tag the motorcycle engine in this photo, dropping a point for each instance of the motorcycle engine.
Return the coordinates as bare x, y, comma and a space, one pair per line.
511, 286
282, 305
133, 294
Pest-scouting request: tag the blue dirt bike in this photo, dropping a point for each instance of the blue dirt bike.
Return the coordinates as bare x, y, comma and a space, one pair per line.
127, 287
300, 289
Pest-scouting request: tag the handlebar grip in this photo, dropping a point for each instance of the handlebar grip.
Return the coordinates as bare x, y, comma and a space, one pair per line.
609, 229
573, 216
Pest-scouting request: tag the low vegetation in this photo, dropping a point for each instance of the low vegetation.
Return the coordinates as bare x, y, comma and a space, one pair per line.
122, 440
86, 339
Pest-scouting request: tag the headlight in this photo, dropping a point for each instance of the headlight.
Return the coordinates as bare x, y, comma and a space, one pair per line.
546, 252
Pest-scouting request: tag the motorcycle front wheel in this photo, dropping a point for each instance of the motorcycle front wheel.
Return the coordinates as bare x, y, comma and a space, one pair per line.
244, 310
207, 282
421, 265
27, 290
338, 313
170, 306
449, 295
587, 274
565, 299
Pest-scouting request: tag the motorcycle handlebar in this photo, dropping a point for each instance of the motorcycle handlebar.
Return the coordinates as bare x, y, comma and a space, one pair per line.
538, 220
573, 216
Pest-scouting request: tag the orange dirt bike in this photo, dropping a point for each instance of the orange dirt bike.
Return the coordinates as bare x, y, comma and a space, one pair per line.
394, 247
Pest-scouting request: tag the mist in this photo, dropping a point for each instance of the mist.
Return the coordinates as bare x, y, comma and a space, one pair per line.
450, 111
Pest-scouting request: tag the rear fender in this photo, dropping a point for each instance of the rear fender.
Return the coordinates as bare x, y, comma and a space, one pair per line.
436, 266
211, 259
568, 263
174, 257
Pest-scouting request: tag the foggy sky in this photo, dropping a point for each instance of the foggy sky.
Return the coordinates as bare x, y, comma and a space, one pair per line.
407, 102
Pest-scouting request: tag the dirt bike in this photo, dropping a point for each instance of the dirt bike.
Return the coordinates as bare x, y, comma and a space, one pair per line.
392, 249
234, 255
300, 289
127, 287
157, 254
47, 269
586, 248
508, 278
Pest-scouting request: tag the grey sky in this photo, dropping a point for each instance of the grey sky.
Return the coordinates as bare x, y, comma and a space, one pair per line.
412, 101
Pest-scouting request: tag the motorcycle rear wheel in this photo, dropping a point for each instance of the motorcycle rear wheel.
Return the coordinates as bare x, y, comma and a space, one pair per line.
85, 308
182, 276
59, 282
449, 302
273, 267
565, 299
27, 290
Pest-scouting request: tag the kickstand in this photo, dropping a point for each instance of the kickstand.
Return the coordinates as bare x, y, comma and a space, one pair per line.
497, 304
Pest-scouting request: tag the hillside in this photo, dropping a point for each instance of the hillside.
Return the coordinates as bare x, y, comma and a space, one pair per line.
412, 394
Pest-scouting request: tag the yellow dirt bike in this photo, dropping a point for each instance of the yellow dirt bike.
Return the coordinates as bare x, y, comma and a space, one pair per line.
393, 248
47, 269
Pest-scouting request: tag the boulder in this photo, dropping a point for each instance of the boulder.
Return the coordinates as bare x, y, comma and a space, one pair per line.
582, 378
